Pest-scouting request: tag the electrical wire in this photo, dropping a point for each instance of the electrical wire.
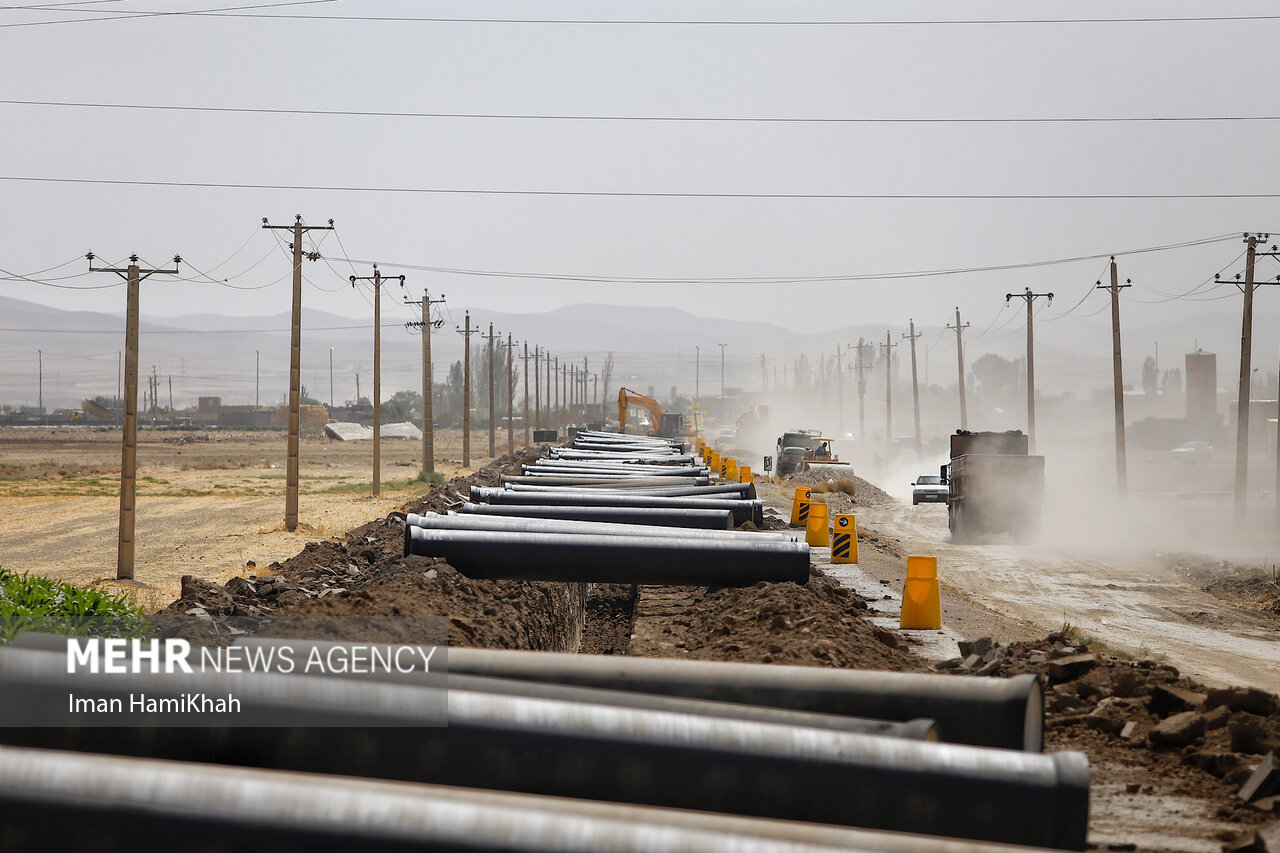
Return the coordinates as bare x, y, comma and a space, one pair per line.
642, 118
639, 194
120, 15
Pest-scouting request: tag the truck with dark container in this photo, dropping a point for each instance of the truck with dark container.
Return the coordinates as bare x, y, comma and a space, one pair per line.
994, 485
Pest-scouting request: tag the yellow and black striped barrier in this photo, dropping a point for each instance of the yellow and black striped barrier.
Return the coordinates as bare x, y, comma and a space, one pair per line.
844, 543
800, 507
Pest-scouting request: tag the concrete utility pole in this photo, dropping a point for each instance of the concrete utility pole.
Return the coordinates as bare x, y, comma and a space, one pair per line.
295, 363
697, 372
1245, 391
40, 381
1031, 361
170, 399
839, 391
331, 377
426, 324
1117, 378
257, 365
550, 418
722, 346
555, 372
376, 278
466, 393
888, 392
492, 413
915, 383
861, 366
133, 276
537, 386
527, 439
959, 328
511, 390
582, 398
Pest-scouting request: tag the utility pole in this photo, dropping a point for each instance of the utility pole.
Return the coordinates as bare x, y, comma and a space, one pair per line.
133, 276
888, 393
839, 390
1030, 299
550, 419
171, 399
119, 374
959, 328
376, 278
556, 373
357, 390
582, 398
861, 367
492, 413
40, 382
722, 346
1246, 374
511, 390
426, 324
257, 364
915, 383
697, 373
527, 438
466, 394
537, 385
1117, 379
295, 364
330, 377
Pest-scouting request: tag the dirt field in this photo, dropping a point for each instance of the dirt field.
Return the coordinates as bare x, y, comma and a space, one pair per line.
208, 503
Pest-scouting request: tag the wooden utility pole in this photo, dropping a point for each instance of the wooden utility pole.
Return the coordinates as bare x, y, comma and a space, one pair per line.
511, 391
376, 278
888, 392
426, 324
133, 276
915, 383
295, 364
466, 393
1117, 379
527, 439
1030, 298
1245, 391
959, 328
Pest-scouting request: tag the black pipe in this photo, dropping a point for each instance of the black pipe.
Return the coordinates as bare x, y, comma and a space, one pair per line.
638, 470
995, 712
574, 558
623, 755
623, 480
550, 525
77, 801
700, 519
735, 491
743, 511
741, 491
683, 459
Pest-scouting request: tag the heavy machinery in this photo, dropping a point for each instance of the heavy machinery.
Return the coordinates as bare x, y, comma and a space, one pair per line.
802, 449
664, 424
993, 485
99, 412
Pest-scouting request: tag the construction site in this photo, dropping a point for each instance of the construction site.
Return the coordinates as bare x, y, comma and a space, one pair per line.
735, 428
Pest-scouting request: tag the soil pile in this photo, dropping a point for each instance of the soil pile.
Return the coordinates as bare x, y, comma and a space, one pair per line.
818, 624
866, 493
1254, 588
1144, 719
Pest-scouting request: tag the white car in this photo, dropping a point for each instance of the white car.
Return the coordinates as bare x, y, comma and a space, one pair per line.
928, 487
1194, 450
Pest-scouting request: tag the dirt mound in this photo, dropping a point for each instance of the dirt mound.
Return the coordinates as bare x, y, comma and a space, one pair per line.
1250, 587
867, 494
1144, 721
818, 624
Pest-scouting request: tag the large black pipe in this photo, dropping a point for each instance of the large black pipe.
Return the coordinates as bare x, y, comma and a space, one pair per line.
76, 801
638, 470
699, 519
994, 712
683, 459
740, 491
550, 525
742, 510
655, 758
574, 558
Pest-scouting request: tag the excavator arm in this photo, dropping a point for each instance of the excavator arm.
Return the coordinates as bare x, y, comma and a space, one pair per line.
628, 397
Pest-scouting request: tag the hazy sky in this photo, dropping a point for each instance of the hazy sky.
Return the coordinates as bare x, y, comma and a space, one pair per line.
282, 58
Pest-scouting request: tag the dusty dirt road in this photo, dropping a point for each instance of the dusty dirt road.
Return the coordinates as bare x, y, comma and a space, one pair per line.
1129, 598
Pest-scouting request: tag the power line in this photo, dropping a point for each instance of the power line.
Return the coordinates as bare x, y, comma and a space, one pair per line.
232, 13
641, 118
222, 11
623, 194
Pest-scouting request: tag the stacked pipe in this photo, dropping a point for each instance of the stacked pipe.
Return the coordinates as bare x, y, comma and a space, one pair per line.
635, 481
550, 736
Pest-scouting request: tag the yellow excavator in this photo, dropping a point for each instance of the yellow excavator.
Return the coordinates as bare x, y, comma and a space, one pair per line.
665, 424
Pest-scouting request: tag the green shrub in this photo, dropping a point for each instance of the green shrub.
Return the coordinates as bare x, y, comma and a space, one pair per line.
30, 603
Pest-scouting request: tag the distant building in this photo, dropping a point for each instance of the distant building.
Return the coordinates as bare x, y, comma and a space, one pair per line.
1203, 422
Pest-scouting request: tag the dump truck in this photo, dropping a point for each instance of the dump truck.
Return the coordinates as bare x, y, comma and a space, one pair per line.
993, 486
